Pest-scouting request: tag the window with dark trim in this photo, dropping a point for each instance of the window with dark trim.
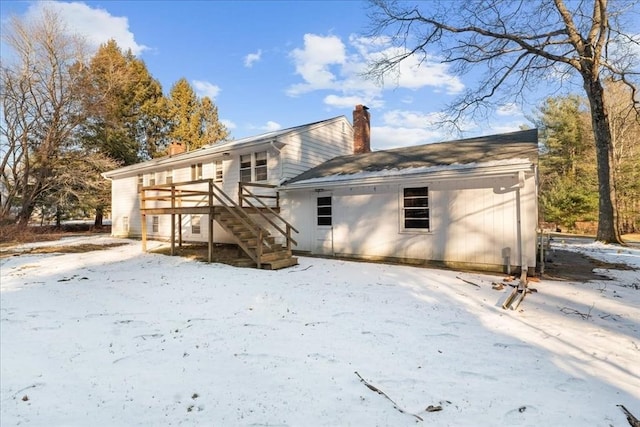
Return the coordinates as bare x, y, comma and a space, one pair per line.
416, 208
155, 224
324, 210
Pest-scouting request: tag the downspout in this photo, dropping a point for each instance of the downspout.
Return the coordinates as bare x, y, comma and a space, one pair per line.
523, 266
272, 143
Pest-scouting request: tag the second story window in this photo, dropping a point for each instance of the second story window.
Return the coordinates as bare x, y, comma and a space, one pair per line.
253, 167
245, 168
196, 171
261, 166
217, 165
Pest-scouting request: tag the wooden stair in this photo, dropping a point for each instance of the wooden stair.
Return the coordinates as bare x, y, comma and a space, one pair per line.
255, 241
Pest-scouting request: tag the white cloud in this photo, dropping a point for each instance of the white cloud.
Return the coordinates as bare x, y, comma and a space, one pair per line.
313, 63
271, 126
510, 109
251, 58
203, 89
412, 119
387, 137
97, 25
228, 124
327, 63
349, 101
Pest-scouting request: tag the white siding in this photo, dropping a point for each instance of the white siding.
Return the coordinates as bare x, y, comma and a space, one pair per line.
472, 222
308, 149
125, 203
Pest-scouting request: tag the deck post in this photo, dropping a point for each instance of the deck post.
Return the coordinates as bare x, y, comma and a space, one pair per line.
259, 249
288, 238
180, 219
173, 220
210, 222
143, 219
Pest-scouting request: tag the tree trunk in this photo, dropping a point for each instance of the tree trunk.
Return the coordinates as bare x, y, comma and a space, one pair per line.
58, 217
607, 215
99, 216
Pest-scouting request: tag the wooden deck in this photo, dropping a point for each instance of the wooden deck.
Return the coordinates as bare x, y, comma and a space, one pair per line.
239, 218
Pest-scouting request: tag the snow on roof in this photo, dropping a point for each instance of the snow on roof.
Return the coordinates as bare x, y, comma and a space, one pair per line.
442, 155
396, 172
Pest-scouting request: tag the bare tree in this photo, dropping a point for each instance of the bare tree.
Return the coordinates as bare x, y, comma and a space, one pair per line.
40, 108
522, 44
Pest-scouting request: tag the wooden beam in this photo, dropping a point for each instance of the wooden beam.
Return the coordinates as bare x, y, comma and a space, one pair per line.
143, 218
173, 221
210, 223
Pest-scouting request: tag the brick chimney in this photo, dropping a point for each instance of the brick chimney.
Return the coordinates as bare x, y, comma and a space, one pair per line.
176, 148
361, 130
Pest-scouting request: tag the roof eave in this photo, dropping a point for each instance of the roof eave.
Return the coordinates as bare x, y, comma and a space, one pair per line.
451, 174
187, 157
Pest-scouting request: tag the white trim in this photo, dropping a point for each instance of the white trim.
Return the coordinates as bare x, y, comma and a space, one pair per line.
401, 176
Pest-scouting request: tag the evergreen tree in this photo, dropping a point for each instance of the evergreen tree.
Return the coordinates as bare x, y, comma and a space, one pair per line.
568, 176
121, 99
186, 115
214, 131
194, 122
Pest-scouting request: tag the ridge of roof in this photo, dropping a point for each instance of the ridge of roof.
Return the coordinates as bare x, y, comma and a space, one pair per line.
219, 147
520, 144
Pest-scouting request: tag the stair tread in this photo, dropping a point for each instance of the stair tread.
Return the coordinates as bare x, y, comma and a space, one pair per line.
282, 263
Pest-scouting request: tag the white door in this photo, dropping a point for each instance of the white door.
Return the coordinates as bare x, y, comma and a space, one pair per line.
324, 224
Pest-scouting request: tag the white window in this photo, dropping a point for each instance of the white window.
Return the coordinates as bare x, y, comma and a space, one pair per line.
169, 177
152, 179
245, 168
125, 224
261, 166
155, 224
324, 210
218, 170
195, 224
196, 171
415, 207
140, 182
253, 167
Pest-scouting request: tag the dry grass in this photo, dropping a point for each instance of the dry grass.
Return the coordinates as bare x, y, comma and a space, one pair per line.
222, 252
631, 238
12, 234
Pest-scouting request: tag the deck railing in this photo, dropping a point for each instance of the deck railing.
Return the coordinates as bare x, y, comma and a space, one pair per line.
186, 197
256, 203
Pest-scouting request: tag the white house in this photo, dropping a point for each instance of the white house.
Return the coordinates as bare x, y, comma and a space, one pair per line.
470, 203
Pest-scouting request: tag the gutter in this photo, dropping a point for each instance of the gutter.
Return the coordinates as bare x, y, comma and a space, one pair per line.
452, 174
183, 158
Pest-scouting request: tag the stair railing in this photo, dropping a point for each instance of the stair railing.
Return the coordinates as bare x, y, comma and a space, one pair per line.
245, 195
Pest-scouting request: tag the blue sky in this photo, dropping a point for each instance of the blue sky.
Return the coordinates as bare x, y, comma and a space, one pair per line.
275, 64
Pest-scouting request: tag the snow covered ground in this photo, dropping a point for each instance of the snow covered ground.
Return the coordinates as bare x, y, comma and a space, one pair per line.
117, 337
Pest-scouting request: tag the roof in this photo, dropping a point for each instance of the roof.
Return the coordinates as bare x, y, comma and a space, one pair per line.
216, 148
492, 149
